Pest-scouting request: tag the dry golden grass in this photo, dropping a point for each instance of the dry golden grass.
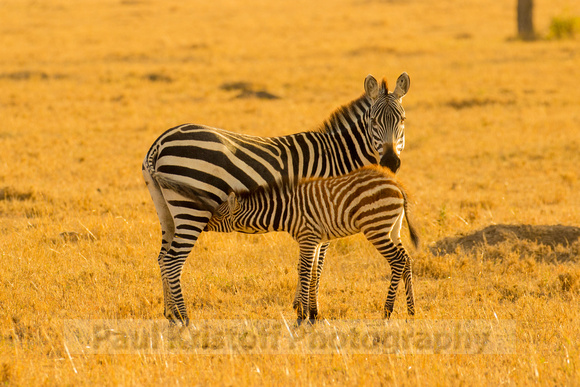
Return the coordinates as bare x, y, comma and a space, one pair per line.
493, 133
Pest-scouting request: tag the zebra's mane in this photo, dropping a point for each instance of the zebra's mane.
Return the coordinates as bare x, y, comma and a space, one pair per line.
330, 124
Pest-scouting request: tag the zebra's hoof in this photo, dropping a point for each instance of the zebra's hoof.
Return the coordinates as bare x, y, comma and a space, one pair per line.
177, 321
305, 321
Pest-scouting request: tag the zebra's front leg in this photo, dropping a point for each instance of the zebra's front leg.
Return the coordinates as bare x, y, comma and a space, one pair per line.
296, 302
315, 280
308, 253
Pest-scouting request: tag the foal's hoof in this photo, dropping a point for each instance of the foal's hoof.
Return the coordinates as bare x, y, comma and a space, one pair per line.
306, 321
177, 321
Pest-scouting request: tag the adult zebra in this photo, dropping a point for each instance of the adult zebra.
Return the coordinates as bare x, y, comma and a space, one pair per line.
191, 161
369, 200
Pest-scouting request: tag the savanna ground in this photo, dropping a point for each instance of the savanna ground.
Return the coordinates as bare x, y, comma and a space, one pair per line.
493, 138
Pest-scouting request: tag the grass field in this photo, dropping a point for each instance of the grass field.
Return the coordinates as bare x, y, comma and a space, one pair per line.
492, 138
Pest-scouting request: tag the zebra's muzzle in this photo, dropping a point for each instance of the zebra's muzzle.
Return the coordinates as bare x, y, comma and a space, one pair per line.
390, 160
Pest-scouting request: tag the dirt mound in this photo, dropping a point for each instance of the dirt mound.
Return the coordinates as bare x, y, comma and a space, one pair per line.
492, 235
247, 90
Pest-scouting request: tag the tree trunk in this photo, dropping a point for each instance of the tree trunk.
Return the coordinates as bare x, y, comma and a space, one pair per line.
525, 19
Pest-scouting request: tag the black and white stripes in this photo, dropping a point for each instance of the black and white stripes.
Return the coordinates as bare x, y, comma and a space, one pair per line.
191, 169
368, 200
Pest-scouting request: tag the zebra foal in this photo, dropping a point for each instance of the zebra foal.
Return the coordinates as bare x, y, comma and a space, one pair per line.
369, 200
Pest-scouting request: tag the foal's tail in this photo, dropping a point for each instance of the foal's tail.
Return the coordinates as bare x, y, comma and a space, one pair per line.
412, 230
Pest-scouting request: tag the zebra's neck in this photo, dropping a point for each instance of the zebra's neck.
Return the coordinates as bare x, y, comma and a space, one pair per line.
341, 144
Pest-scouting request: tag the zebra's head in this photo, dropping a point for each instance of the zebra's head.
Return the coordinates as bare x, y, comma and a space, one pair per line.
222, 219
386, 119
226, 217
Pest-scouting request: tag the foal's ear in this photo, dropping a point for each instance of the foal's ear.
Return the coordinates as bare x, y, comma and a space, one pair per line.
232, 202
371, 87
403, 84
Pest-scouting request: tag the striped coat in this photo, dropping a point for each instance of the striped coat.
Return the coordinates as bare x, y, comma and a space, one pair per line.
369, 200
190, 169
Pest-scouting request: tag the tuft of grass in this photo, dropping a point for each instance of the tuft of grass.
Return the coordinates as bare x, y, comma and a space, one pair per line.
564, 27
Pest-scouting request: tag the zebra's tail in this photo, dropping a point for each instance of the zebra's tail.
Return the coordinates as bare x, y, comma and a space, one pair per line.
150, 160
412, 229
196, 195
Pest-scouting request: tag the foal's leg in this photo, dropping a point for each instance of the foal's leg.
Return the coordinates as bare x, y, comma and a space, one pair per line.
407, 273
407, 277
308, 255
315, 280
380, 236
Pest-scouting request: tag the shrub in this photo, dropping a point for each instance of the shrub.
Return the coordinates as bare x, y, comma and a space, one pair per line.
563, 27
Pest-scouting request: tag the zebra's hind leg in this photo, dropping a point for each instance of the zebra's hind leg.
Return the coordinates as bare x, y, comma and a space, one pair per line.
189, 223
408, 278
182, 221
407, 273
397, 262
167, 234
382, 241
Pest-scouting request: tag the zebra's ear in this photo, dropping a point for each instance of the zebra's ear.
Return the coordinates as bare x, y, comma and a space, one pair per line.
371, 87
403, 84
232, 202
